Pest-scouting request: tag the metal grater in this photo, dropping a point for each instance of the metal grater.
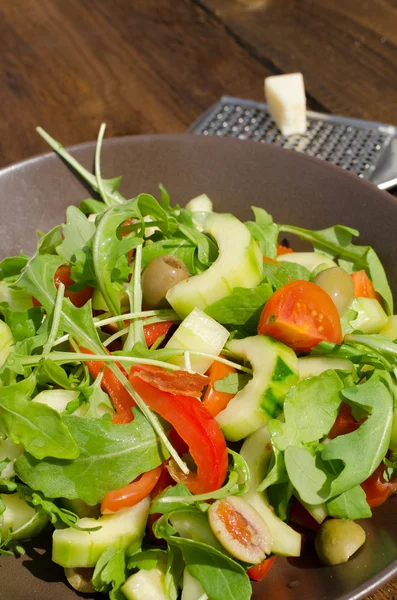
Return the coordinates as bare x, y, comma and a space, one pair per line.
364, 147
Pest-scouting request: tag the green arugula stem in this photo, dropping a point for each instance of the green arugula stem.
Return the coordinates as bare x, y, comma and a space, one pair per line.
55, 320
383, 344
161, 314
135, 330
107, 198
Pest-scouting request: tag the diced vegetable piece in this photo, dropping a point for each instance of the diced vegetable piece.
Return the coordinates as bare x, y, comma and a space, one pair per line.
9, 450
192, 588
371, 317
146, 585
239, 264
6, 342
240, 529
24, 520
125, 529
275, 369
200, 333
57, 399
257, 452
390, 329
337, 540
200, 203
311, 366
309, 260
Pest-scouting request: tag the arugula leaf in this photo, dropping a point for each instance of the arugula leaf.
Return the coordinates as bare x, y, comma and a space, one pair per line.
57, 515
13, 298
49, 371
37, 426
146, 559
350, 505
310, 410
280, 498
232, 383
23, 323
221, 577
111, 456
336, 242
308, 475
108, 247
370, 441
111, 573
183, 249
264, 231
277, 473
174, 571
241, 307
11, 267
49, 242
77, 233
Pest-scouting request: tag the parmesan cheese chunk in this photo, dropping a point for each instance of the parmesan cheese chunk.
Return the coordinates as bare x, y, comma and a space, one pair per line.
286, 100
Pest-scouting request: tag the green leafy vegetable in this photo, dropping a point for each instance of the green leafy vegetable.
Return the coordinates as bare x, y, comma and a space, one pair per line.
111, 456
242, 307
39, 428
232, 383
350, 505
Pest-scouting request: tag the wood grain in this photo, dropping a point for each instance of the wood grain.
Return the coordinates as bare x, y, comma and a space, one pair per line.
154, 65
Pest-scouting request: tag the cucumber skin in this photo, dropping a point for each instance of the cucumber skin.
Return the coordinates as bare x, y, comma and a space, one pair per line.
24, 520
73, 548
228, 271
275, 368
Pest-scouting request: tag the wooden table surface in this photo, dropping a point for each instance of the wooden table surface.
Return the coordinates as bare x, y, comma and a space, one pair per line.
146, 66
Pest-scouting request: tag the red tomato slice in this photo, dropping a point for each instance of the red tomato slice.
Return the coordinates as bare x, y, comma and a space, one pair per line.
377, 489
302, 315
213, 400
131, 494
258, 572
62, 275
155, 330
345, 422
196, 426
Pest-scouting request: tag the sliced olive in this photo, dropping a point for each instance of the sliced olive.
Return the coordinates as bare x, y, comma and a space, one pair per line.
240, 529
339, 285
159, 276
337, 540
81, 579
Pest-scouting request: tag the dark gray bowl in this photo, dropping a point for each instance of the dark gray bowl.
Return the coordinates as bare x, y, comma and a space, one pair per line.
235, 174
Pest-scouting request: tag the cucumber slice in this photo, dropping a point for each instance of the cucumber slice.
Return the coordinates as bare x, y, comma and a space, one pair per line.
257, 452
125, 529
275, 368
390, 329
6, 342
9, 450
239, 264
310, 260
311, 366
24, 520
200, 203
57, 399
192, 588
371, 317
146, 585
17, 299
201, 333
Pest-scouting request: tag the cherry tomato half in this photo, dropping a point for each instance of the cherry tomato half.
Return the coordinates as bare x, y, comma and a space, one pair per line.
62, 275
377, 489
301, 315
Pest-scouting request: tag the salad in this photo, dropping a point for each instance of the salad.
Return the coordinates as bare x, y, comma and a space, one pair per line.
182, 395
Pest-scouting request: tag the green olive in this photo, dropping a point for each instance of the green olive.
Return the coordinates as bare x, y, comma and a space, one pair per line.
81, 579
337, 540
159, 276
339, 285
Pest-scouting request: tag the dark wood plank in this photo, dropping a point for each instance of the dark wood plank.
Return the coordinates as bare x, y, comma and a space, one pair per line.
141, 66
346, 50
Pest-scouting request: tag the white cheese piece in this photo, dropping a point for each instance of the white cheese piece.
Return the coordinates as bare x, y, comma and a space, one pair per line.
286, 100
